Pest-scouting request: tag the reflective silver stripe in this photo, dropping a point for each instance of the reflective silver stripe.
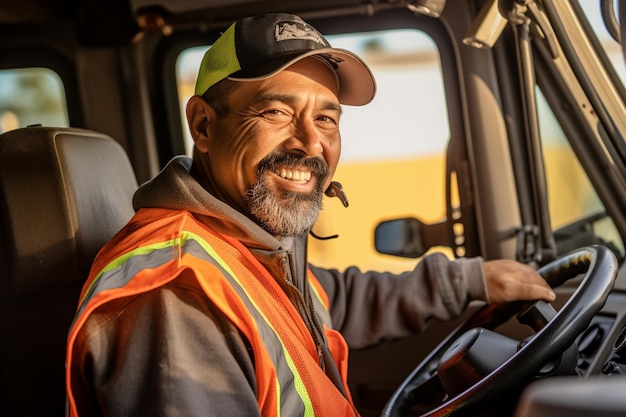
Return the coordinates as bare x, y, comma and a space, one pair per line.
120, 271
320, 309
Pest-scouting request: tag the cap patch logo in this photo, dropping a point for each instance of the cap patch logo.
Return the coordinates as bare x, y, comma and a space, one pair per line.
297, 30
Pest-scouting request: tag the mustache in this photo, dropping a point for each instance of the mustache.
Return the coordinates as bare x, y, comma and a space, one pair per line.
315, 164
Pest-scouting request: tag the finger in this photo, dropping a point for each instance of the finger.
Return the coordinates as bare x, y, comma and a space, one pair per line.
536, 292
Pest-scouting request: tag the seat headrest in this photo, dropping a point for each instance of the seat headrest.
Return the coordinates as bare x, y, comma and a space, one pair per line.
64, 193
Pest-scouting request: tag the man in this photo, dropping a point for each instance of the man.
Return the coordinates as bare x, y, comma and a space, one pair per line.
204, 304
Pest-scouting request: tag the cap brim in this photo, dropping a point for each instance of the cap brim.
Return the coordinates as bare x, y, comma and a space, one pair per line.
356, 82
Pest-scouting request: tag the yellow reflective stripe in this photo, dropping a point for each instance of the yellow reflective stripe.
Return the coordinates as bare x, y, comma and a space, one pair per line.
144, 250
179, 242
320, 300
299, 384
277, 382
318, 295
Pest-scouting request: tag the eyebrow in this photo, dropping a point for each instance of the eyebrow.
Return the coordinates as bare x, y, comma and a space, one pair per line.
288, 99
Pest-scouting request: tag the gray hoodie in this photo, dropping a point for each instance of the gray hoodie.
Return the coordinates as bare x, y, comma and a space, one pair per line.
171, 352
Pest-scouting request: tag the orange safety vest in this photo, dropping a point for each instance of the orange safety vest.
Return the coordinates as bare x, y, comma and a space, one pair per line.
160, 244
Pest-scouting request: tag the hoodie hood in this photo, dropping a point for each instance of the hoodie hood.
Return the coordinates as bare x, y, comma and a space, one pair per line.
174, 188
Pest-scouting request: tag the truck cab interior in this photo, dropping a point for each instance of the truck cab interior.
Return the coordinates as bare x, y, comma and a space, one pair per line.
498, 131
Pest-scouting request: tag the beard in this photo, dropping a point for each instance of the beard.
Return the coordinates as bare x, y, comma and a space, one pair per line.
281, 212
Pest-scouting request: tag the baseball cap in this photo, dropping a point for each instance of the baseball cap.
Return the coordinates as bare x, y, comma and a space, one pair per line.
256, 48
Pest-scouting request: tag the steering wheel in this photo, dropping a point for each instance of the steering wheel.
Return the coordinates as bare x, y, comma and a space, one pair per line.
508, 365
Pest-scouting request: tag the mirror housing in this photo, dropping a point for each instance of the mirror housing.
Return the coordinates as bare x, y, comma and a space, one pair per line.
409, 237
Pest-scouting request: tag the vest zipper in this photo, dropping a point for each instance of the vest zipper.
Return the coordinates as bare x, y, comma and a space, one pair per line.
305, 313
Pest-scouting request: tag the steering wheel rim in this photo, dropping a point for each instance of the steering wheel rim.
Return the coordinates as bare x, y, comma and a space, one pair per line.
598, 264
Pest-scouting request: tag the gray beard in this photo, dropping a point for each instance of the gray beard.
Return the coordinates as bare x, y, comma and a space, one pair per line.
290, 214
284, 213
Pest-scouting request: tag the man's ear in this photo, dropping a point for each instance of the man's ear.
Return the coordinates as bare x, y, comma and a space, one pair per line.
201, 120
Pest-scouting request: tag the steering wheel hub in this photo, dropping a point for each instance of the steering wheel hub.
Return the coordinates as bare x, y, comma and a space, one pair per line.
473, 356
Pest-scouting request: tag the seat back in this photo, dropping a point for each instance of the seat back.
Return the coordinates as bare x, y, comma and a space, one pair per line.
64, 193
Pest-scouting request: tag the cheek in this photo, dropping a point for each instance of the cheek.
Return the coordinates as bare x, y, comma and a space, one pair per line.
248, 166
235, 149
331, 155
333, 152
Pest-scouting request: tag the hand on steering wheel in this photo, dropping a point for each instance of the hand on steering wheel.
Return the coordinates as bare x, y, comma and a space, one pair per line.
450, 375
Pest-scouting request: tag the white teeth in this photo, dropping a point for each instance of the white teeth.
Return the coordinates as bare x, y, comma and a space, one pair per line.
294, 175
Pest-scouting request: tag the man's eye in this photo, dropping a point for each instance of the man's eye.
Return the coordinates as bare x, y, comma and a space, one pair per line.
273, 112
327, 119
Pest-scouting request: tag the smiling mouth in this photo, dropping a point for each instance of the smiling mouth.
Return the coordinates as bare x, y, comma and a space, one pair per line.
294, 175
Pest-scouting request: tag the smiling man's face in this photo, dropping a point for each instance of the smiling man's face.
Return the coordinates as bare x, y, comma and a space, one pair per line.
276, 151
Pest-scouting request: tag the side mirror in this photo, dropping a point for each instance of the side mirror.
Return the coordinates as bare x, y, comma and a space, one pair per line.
409, 237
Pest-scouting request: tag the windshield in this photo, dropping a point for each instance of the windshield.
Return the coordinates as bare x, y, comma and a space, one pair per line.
583, 121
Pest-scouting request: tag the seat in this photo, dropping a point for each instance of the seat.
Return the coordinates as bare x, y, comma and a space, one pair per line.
64, 192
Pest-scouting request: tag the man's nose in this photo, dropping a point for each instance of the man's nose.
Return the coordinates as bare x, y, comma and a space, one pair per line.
307, 139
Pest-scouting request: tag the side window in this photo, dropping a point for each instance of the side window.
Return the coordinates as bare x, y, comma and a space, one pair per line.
187, 66
393, 149
31, 96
